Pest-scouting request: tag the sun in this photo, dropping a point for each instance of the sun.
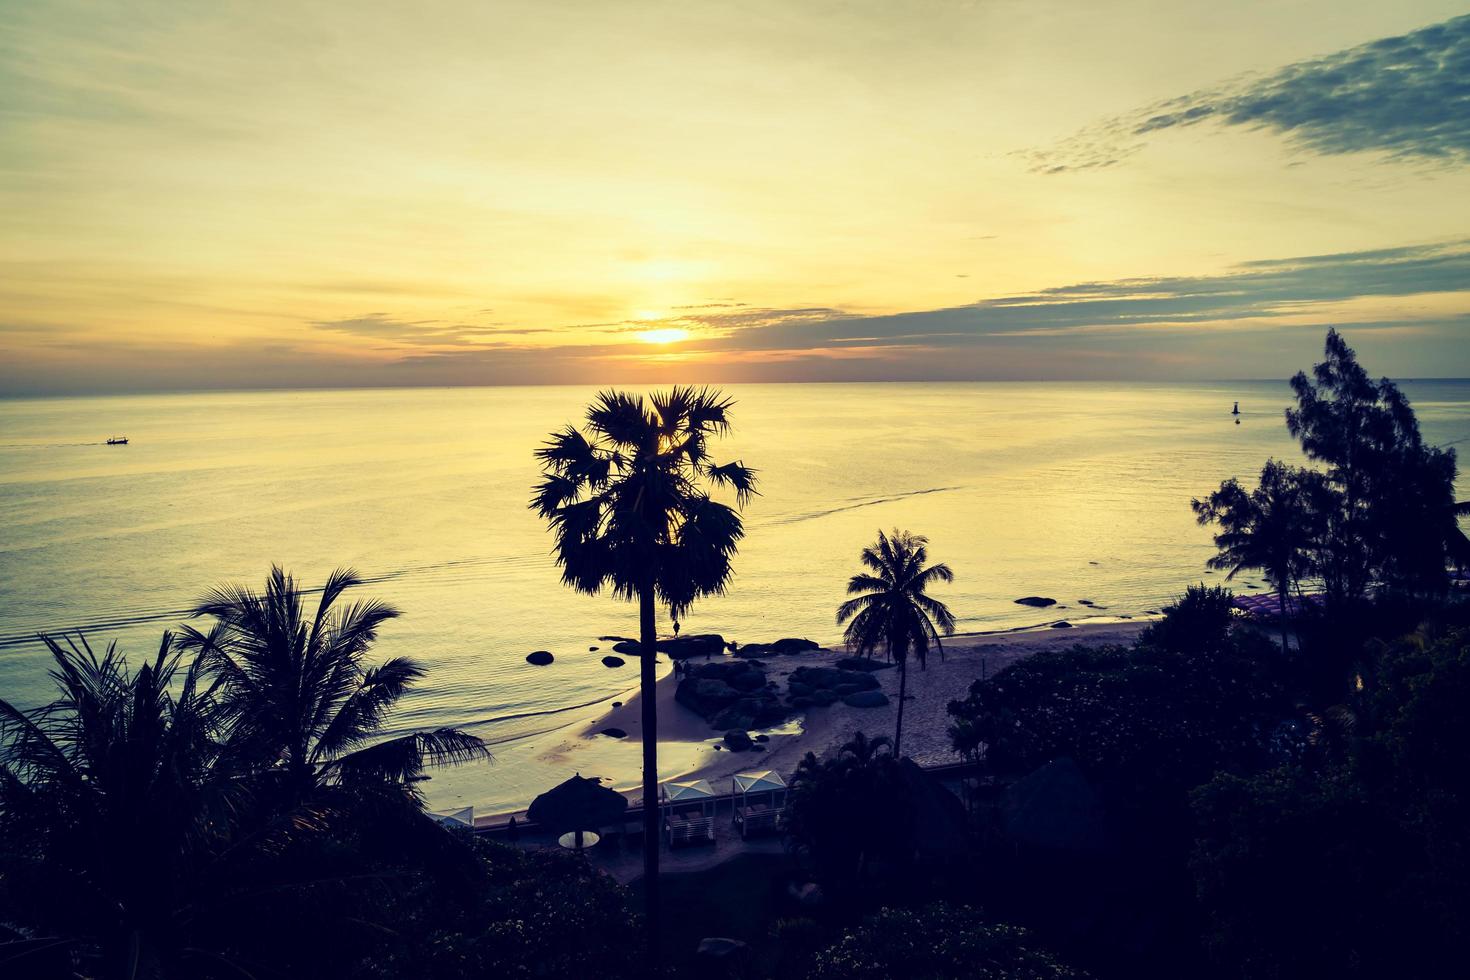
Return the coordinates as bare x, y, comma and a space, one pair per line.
663, 335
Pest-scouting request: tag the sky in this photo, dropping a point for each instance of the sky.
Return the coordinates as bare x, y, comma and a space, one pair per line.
263, 194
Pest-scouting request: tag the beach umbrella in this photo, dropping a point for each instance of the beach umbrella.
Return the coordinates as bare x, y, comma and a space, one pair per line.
577, 804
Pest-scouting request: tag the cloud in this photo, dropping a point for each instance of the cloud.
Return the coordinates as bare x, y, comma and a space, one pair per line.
1264, 291
381, 326
1407, 97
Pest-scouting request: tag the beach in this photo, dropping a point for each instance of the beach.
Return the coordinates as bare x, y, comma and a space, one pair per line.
689, 748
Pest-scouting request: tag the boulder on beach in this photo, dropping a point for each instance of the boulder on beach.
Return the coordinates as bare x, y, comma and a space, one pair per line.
593, 649
613, 661
540, 658
730, 694
1084, 602
829, 678
866, 664
629, 648
821, 698
1039, 601
866, 699
1061, 624
763, 737
617, 704
738, 740
613, 733
616, 639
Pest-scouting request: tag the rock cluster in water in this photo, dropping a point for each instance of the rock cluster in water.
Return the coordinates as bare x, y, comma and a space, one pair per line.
1039, 601
779, 648
678, 647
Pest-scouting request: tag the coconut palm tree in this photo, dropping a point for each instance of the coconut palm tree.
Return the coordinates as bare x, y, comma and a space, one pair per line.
299, 697
1271, 528
113, 803
892, 609
628, 500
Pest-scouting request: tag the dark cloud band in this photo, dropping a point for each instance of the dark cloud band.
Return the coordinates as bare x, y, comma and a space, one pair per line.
1405, 97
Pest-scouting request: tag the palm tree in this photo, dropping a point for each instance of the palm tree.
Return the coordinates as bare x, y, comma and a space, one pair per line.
299, 699
628, 500
892, 610
1271, 528
113, 804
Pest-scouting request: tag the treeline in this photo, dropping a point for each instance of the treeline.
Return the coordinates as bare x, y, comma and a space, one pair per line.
231, 808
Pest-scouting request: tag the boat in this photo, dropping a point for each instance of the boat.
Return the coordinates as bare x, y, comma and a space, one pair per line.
1236, 409
117, 440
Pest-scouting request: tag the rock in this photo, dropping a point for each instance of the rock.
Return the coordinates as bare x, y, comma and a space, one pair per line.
823, 698
593, 649
1084, 602
749, 680
694, 645
809, 894
616, 639
783, 647
631, 648
843, 690
757, 748
613, 661
819, 678
540, 658
741, 714
720, 948
706, 695
718, 747
799, 690
613, 733
1038, 601
803, 701
737, 740
865, 664
617, 704
866, 699
1061, 624
763, 737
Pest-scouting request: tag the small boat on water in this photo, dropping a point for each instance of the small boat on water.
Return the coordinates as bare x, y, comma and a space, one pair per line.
117, 440
1236, 409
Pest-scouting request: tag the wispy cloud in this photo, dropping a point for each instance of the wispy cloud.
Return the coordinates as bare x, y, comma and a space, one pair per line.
1406, 97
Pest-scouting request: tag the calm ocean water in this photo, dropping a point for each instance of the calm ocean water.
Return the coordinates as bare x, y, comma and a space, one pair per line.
1068, 490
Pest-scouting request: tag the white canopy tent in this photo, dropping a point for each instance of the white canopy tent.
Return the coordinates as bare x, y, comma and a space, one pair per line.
689, 811
759, 800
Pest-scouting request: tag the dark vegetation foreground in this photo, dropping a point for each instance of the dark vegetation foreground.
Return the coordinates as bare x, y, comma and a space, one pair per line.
1219, 799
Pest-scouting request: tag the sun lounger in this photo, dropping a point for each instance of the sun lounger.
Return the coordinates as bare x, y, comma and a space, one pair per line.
690, 830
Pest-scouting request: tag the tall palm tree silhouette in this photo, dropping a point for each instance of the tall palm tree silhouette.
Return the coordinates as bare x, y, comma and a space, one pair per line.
1273, 528
300, 699
628, 500
892, 610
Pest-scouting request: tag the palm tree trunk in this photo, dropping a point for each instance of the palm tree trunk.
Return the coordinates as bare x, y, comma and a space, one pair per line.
903, 686
1281, 595
647, 682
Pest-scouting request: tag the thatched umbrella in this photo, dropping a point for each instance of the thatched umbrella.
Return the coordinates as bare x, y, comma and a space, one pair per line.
577, 805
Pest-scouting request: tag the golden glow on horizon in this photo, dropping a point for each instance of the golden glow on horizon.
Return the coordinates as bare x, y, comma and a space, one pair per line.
663, 335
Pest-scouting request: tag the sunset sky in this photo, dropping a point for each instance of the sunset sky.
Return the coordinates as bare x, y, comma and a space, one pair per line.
209, 194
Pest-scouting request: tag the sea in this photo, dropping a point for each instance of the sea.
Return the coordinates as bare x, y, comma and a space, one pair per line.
1068, 490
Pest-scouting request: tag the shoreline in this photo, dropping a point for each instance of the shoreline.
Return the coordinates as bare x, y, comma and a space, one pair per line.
688, 745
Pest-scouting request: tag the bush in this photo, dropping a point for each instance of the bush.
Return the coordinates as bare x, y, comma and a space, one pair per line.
938, 942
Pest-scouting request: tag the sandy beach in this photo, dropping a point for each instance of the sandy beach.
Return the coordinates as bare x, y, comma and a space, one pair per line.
690, 748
